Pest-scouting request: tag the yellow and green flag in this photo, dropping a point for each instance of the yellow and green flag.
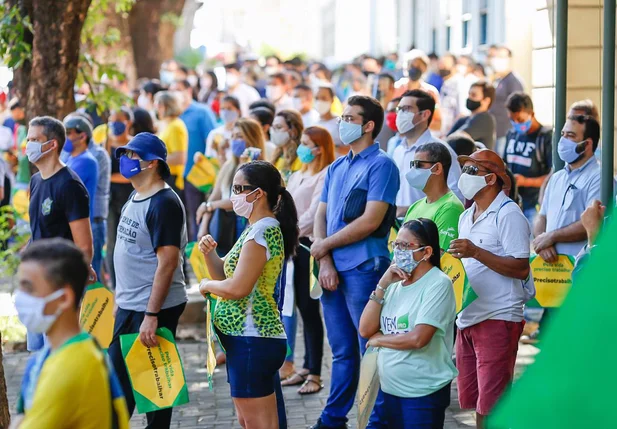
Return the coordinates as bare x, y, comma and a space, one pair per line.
203, 173
96, 316
463, 292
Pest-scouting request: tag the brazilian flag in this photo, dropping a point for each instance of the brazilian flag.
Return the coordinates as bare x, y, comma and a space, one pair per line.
203, 173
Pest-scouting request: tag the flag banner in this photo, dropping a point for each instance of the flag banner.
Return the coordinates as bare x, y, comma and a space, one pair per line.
197, 261
97, 313
368, 386
156, 373
203, 173
552, 280
210, 354
463, 292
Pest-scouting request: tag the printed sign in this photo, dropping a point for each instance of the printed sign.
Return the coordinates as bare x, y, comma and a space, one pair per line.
368, 386
210, 355
552, 280
463, 292
156, 373
96, 316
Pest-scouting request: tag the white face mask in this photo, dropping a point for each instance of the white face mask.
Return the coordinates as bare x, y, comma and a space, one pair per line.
34, 151
232, 80
143, 101
322, 107
30, 310
274, 92
297, 102
192, 79
404, 122
471, 185
500, 65
461, 69
279, 137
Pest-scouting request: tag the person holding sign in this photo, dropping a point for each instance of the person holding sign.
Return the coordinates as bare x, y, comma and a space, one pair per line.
494, 247
69, 383
148, 257
410, 317
247, 319
429, 174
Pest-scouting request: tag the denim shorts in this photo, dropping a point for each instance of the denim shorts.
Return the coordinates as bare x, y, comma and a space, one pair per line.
253, 364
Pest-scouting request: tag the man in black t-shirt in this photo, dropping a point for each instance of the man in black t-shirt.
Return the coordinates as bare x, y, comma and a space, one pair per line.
528, 150
480, 125
59, 202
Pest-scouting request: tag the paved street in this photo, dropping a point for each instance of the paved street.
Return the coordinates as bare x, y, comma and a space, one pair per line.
215, 409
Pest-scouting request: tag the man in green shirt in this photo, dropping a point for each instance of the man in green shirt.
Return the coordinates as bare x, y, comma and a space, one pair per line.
429, 173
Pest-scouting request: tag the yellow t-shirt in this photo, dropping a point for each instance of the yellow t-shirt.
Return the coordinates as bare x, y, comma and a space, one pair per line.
73, 390
295, 166
176, 138
337, 107
99, 134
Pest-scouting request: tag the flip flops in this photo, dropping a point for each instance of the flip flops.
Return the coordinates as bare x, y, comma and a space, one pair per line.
308, 380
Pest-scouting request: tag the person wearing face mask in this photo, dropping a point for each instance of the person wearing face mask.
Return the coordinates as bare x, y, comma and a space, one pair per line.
276, 92
351, 227
316, 152
172, 130
452, 93
386, 92
247, 319
493, 246
246, 134
465, 67
52, 279
429, 173
410, 317
265, 117
217, 143
396, 140
119, 126
528, 151
245, 94
302, 99
480, 125
285, 134
146, 96
148, 257
414, 115
324, 99
59, 201
506, 82
209, 84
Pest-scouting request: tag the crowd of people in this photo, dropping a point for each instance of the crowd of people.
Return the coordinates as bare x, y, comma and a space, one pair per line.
315, 169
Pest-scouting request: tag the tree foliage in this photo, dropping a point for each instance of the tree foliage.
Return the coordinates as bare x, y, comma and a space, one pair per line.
14, 49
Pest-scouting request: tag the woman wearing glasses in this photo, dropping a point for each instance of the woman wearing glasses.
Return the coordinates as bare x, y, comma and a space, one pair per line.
247, 318
285, 133
410, 318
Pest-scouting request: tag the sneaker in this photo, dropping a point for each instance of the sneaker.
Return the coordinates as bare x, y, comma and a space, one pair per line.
320, 425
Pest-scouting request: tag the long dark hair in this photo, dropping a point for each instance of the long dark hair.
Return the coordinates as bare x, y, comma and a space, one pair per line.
142, 122
426, 232
265, 176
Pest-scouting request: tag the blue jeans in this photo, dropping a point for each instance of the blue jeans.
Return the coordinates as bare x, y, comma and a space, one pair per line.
291, 328
99, 235
342, 310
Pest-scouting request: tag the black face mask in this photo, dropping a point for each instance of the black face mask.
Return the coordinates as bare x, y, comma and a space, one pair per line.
414, 74
473, 104
444, 72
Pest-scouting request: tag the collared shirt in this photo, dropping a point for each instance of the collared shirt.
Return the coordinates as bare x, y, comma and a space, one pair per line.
372, 171
403, 155
101, 198
568, 193
199, 121
504, 231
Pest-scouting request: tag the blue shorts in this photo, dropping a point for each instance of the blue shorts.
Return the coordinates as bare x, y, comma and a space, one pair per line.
253, 364
426, 412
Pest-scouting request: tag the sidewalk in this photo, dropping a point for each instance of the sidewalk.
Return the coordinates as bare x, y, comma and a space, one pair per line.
215, 409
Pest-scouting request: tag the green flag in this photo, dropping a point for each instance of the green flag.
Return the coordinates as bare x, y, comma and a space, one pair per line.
571, 383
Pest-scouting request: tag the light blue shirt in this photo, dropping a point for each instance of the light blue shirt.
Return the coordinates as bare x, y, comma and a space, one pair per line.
199, 121
373, 171
568, 193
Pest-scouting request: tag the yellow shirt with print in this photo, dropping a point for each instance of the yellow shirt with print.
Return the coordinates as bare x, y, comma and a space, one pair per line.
176, 138
280, 166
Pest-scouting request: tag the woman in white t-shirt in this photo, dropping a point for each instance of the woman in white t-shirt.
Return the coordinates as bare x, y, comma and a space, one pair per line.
316, 152
410, 318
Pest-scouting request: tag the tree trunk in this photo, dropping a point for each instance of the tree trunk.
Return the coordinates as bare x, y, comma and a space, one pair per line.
55, 56
5, 417
153, 36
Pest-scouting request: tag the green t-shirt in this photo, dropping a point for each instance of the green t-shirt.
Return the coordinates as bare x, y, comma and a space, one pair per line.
444, 212
428, 301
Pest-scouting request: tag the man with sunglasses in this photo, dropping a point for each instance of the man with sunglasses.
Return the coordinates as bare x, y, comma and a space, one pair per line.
428, 174
414, 115
493, 245
148, 257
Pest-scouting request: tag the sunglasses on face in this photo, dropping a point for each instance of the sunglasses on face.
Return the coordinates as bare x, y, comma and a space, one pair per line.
238, 189
418, 164
473, 170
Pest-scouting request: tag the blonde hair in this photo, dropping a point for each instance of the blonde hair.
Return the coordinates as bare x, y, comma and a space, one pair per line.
253, 134
293, 120
170, 103
323, 140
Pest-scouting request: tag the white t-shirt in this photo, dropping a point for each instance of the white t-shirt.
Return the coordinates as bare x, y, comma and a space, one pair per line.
502, 230
310, 118
246, 95
221, 133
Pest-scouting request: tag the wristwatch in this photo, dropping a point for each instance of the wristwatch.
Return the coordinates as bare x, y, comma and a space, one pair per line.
373, 297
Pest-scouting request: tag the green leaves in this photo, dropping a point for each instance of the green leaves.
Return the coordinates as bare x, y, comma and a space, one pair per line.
14, 50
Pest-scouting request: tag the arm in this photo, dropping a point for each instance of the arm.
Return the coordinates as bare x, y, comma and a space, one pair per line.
176, 158
517, 268
530, 182
168, 258
213, 262
82, 236
328, 276
306, 221
418, 338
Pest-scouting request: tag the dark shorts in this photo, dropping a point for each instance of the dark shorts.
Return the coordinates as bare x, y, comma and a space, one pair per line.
426, 412
253, 364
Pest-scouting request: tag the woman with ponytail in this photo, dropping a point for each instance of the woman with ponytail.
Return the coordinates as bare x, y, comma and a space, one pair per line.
410, 317
247, 319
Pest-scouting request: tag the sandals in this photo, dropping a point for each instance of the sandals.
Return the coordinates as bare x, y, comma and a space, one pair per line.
294, 379
306, 383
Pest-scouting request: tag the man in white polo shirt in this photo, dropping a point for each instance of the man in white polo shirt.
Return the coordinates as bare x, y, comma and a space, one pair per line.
494, 247
415, 113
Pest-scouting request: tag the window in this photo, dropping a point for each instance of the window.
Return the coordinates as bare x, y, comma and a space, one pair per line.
466, 33
483, 28
434, 41
448, 37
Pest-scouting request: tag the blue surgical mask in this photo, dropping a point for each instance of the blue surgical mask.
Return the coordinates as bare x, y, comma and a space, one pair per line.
229, 116
567, 150
167, 77
521, 127
117, 128
130, 167
238, 146
68, 145
405, 261
349, 132
305, 154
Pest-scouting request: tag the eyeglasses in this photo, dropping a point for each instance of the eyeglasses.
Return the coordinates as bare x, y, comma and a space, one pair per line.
401, 245
238, 189
405, 109
472, 170
417, 164
346, 118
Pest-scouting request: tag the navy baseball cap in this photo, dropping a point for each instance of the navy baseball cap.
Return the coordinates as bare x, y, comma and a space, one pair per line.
149, 148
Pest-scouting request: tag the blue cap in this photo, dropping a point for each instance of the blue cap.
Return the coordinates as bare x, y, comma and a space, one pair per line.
149, 148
